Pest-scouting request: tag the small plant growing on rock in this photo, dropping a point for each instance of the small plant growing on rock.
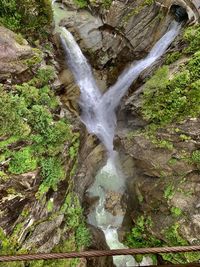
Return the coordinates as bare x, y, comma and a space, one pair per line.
176, 212
196, 156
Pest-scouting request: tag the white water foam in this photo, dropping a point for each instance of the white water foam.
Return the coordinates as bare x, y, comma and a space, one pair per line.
98, 111
98, 114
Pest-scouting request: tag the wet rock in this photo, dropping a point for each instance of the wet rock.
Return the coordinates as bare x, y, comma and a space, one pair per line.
14, 51
165, 186
113, 203
70, 92
91, 158
44, 235
123, 31
70, 4
99, 243
85, 27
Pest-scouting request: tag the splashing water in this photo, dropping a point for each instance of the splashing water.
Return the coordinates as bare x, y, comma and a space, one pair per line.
98, 111
98, 114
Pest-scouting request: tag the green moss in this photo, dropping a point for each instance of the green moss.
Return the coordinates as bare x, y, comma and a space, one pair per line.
10, 246
165, 100
149, 2
176, 212
140, 237
8, 141
184, 137
169, 191
172, 161
22, 161
73, 211
161, 143
43, 77
50, 206
173, 238
19, 39
194, 67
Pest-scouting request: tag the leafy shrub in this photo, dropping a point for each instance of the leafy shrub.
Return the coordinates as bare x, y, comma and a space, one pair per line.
27, 16
53, 139
52, 173
11, 115
82, 236
192, 37
40, 118
29, 93
22, 161
81, 3
43, 77
165, 101
139, 236
194, 67
73, 211
196, 156
172, 57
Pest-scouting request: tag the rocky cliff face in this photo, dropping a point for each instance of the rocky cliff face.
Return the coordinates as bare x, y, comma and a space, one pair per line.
114, 36
47, 158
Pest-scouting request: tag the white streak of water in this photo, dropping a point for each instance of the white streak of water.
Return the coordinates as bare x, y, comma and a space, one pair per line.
98, 114
98, 111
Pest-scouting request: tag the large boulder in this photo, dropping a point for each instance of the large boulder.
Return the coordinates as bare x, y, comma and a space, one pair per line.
15, 54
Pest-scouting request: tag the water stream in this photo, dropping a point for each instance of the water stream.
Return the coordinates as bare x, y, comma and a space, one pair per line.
98, 114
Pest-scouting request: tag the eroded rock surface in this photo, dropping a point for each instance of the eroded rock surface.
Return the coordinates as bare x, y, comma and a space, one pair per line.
14, 53
167, 180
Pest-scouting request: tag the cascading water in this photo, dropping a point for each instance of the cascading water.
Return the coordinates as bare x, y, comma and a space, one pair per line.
98, 111
98, 114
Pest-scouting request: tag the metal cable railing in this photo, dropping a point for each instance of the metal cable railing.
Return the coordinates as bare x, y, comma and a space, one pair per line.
97, 253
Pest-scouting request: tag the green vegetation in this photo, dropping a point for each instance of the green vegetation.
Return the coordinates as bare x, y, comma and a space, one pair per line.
173, 238
27, 117
31, 17
52, 172
136, 10
77, 237
184, 137
192, 37
34, 137
166, 101
196, 156
106, 3
9, 246
81, 3
169, 191
22, 161
176, 212
141, 236
161, 143
149, 2
84, 3
172, 57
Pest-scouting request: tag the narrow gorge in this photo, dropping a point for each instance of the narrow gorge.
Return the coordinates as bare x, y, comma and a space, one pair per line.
99, 129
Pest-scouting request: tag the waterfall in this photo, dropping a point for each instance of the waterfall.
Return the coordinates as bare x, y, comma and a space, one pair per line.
98, 114
98, 111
